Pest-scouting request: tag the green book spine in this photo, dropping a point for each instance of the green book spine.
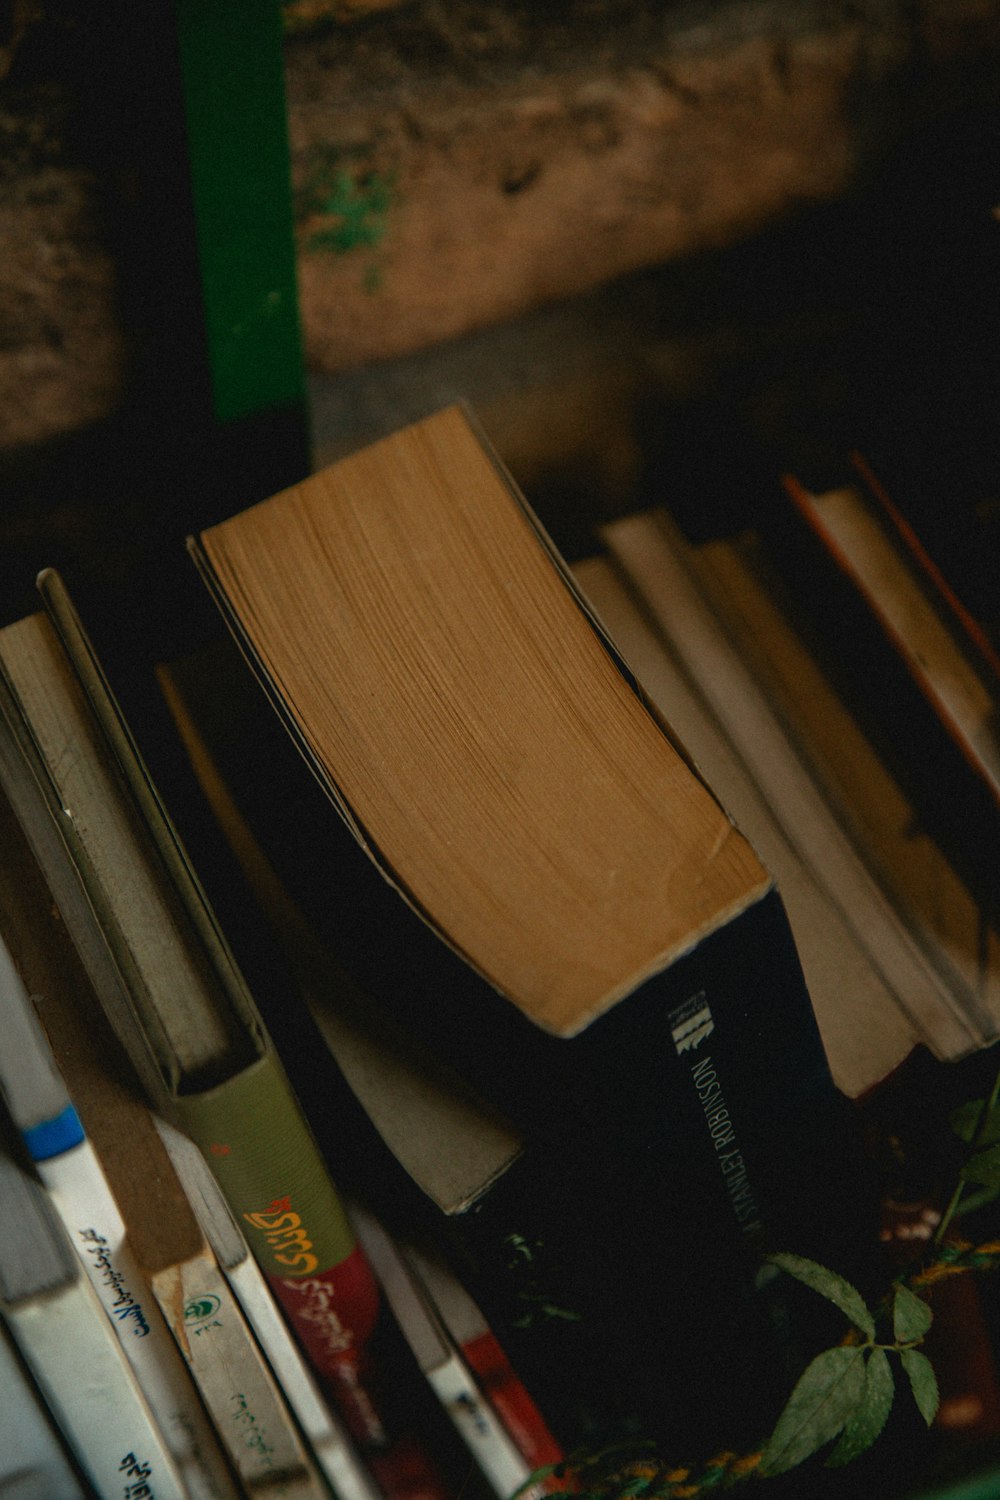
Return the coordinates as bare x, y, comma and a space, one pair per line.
255, 1139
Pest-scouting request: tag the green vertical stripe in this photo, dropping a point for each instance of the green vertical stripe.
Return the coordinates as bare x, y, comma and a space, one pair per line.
234, 106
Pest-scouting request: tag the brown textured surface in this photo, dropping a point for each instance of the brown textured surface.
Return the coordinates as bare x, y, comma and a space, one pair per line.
161, 1225
527, 153
61, 347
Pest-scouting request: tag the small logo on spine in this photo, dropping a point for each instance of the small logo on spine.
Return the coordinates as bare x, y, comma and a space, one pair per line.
199, 1309
691, 1023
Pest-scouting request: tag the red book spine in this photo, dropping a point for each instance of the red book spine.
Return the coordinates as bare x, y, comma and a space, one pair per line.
514, 1406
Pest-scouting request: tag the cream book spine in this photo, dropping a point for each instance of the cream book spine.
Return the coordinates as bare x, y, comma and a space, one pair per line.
653, 557
73, 1354
251, 1417
327, 1438
33, 1461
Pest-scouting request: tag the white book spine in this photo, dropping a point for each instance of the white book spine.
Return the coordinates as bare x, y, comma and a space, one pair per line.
489, 1442
33, 1462
330, 1445
78, 1364
479, 1427
81, 1194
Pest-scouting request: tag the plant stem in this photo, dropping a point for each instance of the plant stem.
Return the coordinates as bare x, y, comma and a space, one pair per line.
956, 1197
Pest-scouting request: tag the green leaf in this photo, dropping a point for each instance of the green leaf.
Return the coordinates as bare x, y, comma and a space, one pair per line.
911, 1316
829, 1285
967, 1120
984, 1167
827, 1394
975, 1201
864, 1426
923, 1380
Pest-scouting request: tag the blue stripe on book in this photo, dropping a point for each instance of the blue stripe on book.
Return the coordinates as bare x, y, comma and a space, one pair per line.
53, 1137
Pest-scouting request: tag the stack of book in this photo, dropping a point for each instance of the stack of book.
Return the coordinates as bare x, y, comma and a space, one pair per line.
845, 704
590, 945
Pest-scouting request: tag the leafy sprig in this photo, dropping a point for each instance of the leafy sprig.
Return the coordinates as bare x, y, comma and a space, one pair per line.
845, 1395
848, 1391
977, 1123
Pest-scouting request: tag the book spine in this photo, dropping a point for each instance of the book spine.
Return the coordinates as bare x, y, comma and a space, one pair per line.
446, 1372
495, 1376
513, 1403
33, 1462
486, 1438
330, 1444
78, 1364
254, 1137
331, 1448
236, 1384
261, 1152
81, 1195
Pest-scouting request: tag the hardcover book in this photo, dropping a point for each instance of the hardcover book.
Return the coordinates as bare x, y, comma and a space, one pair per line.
426, 1151
501, 843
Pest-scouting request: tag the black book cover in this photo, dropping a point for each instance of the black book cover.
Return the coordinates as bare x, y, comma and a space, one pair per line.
670, 1145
